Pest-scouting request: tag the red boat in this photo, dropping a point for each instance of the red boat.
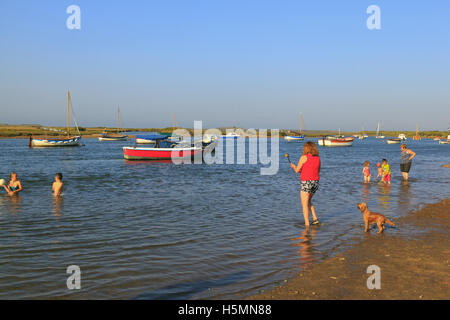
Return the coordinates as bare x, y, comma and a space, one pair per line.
166, 150
137, 153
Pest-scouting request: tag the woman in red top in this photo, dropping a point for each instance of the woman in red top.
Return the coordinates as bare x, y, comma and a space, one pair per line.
309, 166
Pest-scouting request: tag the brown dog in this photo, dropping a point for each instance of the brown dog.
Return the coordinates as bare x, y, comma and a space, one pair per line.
373, 217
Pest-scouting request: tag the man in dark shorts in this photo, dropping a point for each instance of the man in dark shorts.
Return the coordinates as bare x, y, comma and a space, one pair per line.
405, 161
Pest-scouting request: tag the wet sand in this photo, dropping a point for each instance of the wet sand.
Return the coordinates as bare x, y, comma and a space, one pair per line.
416, 267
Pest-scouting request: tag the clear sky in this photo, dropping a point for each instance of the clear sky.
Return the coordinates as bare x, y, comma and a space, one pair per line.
245, 63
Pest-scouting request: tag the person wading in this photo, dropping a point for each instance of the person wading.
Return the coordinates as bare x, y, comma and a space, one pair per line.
309, 166
406, 160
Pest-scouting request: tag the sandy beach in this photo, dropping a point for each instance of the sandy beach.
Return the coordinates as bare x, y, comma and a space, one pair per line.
413, 268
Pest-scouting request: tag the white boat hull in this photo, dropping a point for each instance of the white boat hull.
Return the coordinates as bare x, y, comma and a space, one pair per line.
144, 141
44, 143
347, 142
390, 141
294, 138
125, 138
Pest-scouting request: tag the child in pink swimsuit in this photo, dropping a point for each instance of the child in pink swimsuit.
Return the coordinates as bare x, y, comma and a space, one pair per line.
366, 172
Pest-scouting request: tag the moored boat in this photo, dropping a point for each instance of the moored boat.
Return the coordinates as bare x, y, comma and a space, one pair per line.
378, 134
336, 142
393, 140
145, 139
68, 141
112, 137
164, 149
445, 141
105, 136
402, 136
230, 135
296, 136
362, 135
417, 137
54, 142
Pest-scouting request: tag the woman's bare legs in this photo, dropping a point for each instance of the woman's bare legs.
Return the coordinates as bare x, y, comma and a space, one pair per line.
405, 175
311, 207
307, 206
304, 196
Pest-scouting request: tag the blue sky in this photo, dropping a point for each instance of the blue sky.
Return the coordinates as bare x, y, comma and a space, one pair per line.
245, 63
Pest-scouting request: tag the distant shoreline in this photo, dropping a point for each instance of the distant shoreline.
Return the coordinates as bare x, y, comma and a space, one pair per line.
24, 131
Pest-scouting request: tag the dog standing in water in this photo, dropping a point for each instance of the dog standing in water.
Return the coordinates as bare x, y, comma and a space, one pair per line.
373, 217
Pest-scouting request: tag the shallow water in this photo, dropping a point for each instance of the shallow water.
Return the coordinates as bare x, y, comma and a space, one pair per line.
150, 230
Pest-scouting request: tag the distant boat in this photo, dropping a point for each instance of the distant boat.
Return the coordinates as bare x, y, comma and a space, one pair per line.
336, 142
402, 136
145, 139
378, 136
230, 135
297, 137
113, 136
68, 141
417, 137
362, 135
445, 141
393, 140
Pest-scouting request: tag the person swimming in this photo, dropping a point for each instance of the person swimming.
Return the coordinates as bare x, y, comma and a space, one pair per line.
57, 186
14, 185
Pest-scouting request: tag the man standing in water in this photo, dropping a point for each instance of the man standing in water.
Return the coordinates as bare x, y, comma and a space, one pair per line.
405, 160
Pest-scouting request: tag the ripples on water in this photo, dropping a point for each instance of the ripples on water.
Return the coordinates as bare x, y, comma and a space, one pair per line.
149, 230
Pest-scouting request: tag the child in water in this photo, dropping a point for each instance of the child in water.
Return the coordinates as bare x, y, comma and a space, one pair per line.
366, 172
14, 186
386, 175
380, 171
57, 186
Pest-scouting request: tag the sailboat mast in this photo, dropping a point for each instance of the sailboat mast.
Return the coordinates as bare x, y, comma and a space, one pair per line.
300, 123
118, 110
68, 112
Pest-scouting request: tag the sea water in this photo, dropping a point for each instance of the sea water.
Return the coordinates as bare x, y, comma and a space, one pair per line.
155, 230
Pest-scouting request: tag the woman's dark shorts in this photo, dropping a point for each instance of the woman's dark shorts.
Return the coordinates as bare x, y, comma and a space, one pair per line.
310, 186
405, 167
